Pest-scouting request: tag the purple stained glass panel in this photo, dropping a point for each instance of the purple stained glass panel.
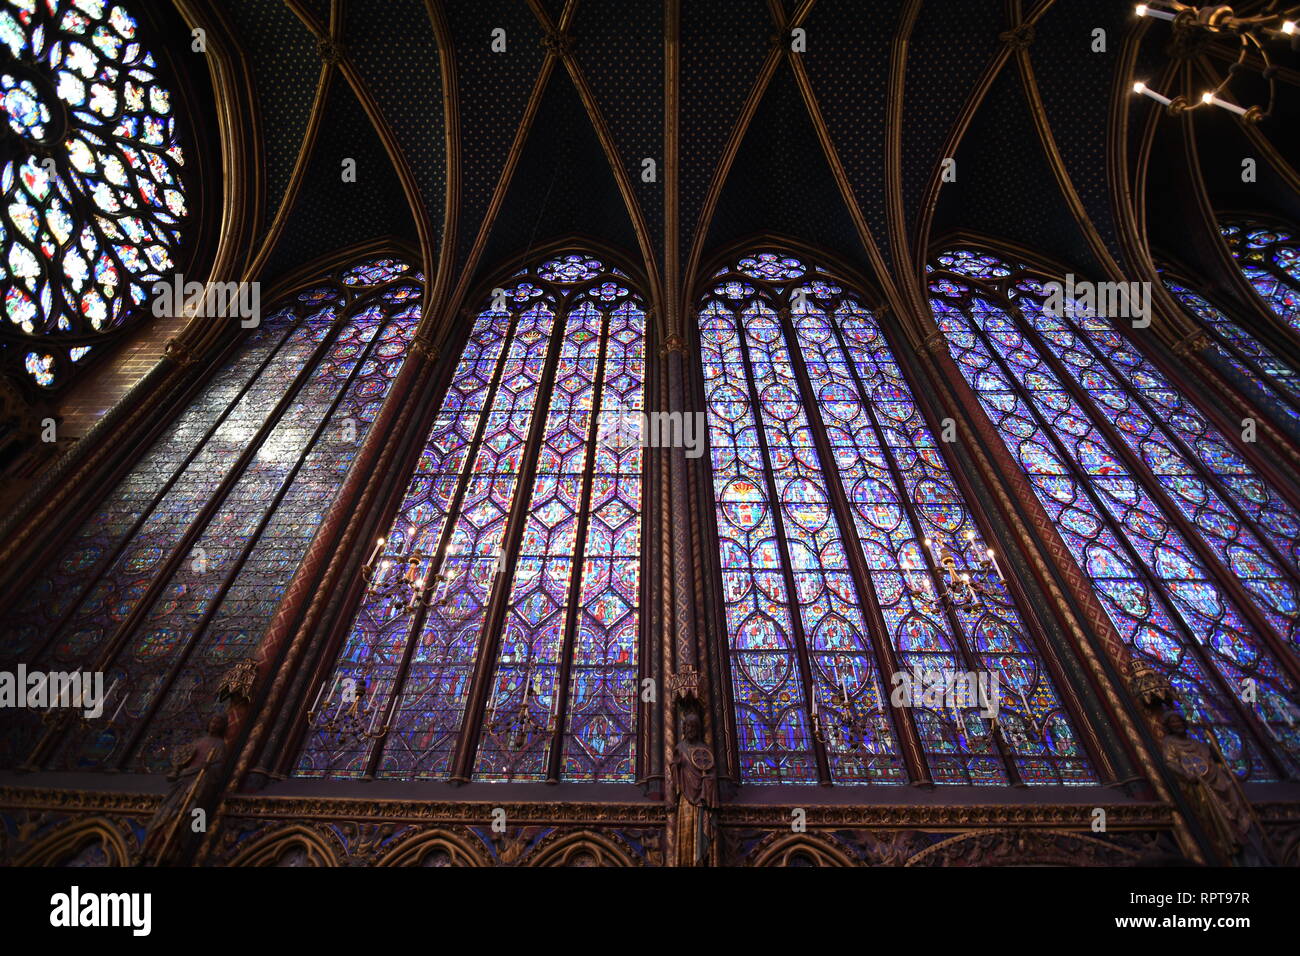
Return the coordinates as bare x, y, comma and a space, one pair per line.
414, 667
254, 431
1157, 591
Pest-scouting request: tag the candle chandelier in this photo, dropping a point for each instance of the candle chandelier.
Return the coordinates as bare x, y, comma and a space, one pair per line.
519, 728
405, 578
842, 726
965, 575
402, 576
1253, 26
355, 718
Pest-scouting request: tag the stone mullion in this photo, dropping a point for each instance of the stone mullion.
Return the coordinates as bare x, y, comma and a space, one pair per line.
909, 736
489, 641
806, 679
967, 655
438, 556
572, 614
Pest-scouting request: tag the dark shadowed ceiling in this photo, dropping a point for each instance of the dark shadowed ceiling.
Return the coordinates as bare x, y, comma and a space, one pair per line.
475, 156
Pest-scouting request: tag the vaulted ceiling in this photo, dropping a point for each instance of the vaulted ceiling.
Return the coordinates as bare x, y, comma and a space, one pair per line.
476, 155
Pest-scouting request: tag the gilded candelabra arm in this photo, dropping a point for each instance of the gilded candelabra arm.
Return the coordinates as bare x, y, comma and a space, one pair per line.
960, 586
520, 726
349, 718
852, 731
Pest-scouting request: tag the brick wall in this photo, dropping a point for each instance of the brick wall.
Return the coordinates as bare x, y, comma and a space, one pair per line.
104, 385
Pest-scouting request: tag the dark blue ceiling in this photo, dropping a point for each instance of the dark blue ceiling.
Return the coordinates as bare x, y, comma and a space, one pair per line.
781, 179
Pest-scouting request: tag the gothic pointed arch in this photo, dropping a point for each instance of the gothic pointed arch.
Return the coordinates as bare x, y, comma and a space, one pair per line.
441, 847
581, 848
86, 841
178, 567
851, 564
1189, 547
499, 633
293, 845
802, 849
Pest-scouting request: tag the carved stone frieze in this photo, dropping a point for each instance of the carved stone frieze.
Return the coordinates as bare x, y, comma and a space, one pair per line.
1017, 846
270, 842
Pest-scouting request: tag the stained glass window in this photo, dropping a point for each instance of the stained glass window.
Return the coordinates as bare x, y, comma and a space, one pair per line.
522, 522
1192, 552
177, 574
1252, 365
837, 514
1269, 257
92, 185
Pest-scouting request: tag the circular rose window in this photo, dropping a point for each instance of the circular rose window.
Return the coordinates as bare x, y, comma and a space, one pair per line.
91, 189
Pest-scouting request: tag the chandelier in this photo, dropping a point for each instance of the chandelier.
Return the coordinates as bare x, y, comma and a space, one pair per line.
1193, 25
405, 578
842, 725
382, 573
355, 719
520, 728
964, 574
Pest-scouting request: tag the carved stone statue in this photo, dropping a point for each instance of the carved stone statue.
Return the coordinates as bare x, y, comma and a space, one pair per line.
697, 791
193, 783
1216, 794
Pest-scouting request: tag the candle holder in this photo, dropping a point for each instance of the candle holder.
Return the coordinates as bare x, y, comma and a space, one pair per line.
400, 575
520, 727
1024, 731
75, 713
963, 586
1192, 27
348, 722
854, 728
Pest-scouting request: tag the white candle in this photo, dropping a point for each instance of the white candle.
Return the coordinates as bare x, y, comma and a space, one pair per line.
120, 705
375, 553
1146, 10
996, 566
1150, 93
322, 690
1209, 97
